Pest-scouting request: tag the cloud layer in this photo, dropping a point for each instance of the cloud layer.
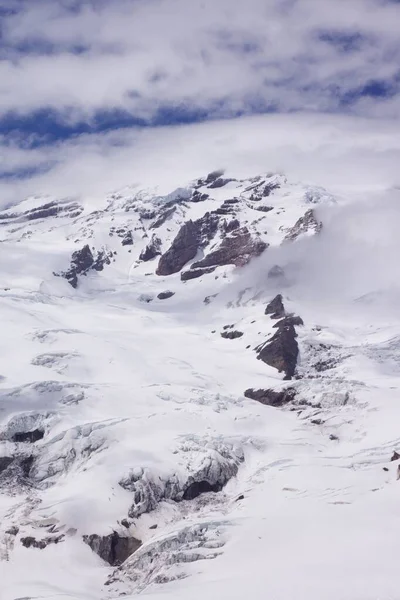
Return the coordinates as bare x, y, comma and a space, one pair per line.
160, 60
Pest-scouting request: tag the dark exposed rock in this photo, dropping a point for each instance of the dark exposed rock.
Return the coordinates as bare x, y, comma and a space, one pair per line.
26, 465
264, 209
385, 469
306, 223
112, 548
395, 456
152, 249
324, 365
5, 461
102, 258
200, 487
147, 214
269, 188
83, 261
231, 335
271, 397
333, 437
166, 214
237, 249
275, 308
127, 240
294, 320
198, 197
195, 273
213, 176
191, 236
317, 421
31, 542
165, 295
125, 523
231, 225
281, 351
28, 436
18, 467
153, 526
219, 182
13, 530
50, 209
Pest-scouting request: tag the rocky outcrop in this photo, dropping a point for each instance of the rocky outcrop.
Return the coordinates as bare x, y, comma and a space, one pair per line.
231, 335
31, 542
28, 436
305, 225
127, 239
219, 182
195, 273
237, 248
163, 217
82, 261
271, 397
152, 249
50, 209
165, 295
198, 196
282, 351
113, 548
192, 236
275, 308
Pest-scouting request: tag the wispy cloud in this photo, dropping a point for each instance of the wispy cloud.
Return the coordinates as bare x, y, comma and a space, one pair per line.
216, 59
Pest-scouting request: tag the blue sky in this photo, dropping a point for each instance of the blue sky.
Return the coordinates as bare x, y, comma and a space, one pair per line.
76, 68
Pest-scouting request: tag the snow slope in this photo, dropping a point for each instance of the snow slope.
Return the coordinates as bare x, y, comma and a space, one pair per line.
138, 401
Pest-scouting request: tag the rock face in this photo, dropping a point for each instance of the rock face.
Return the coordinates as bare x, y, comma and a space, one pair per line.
82, 261
192, 236
164, 216
271, 397
28, 436
307, 223
152, 249
237, 248
275, 308
281, 351
112, 548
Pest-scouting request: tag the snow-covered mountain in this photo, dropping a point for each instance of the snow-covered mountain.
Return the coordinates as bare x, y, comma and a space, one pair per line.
192, 402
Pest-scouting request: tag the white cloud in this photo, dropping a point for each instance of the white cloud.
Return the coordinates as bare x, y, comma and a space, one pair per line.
338, 152
143, 54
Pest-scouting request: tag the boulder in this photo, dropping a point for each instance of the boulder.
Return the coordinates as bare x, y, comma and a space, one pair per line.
165, 295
